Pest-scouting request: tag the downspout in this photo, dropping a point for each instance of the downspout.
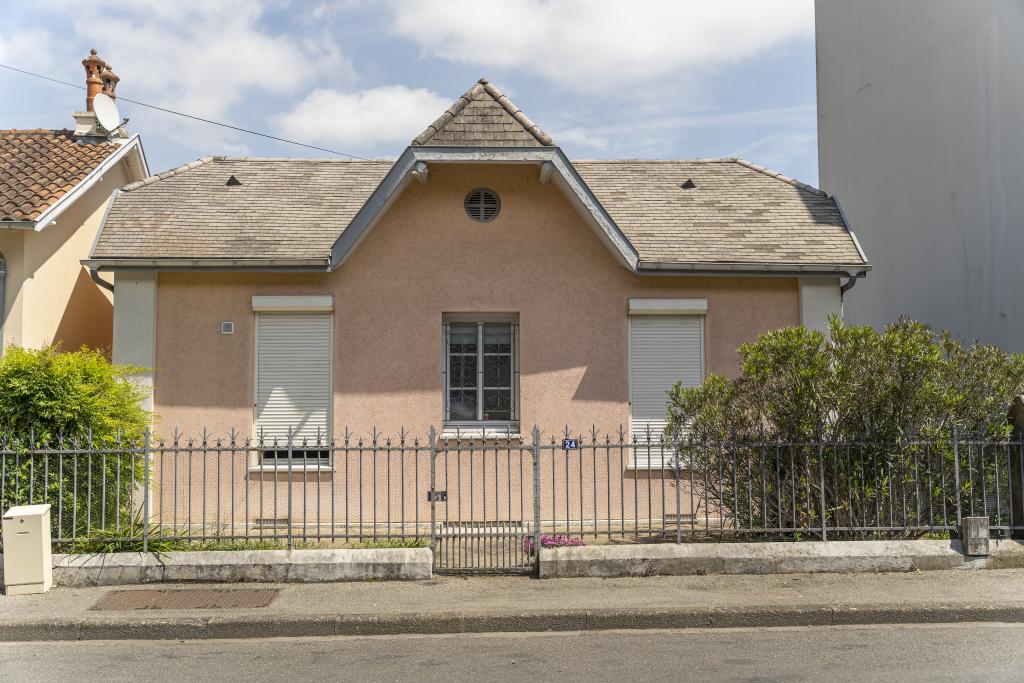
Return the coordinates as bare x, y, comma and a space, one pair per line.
94, 273
849, 284
843, 289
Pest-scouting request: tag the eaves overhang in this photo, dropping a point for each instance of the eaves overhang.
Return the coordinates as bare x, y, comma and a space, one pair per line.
309, 265
133, 145
745, 268
564, 175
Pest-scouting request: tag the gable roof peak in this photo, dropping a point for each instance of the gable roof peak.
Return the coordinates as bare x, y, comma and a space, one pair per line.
483, 117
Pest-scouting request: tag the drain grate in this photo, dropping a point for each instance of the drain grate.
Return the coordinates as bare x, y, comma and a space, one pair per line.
199, 598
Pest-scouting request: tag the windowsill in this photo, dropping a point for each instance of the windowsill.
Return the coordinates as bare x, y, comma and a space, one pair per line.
509, 433
295, 468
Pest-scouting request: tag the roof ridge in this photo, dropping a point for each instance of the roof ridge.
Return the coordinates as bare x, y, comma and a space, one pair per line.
780, 176
483, 85
37, 131
167, 174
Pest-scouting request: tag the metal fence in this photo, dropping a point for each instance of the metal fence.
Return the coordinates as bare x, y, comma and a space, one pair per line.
488, 504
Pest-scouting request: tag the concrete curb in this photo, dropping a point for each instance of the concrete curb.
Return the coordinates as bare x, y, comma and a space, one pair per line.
669, 559
265, 566
203, 628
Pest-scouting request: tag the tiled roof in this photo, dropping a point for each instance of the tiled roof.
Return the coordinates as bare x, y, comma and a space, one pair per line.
38, 167
737, 212
296, 208
483, 117
282, 208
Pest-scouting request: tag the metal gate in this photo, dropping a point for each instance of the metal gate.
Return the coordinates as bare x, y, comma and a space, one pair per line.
484, 506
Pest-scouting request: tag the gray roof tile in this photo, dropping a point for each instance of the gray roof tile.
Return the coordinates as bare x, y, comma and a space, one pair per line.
296, 208
483, 117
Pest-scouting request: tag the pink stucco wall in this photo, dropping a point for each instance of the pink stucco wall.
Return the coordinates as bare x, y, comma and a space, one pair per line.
426, 258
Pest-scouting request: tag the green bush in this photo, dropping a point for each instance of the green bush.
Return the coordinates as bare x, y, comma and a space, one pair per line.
795, 385
866, 418
69, 401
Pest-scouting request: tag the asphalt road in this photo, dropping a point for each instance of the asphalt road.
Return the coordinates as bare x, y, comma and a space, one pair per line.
840, 653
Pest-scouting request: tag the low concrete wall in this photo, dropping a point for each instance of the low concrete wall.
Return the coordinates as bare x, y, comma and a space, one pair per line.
669, 559
1005, 554
275, 566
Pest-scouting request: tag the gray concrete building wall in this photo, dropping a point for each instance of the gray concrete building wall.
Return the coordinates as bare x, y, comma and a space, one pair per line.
921, 137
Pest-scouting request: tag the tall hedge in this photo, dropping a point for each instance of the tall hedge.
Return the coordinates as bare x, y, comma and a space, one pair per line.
795, 384
853, 430
68, 401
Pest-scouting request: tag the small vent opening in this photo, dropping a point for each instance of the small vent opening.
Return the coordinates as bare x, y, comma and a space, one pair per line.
227, 327
483, 205
688, 185
233, 181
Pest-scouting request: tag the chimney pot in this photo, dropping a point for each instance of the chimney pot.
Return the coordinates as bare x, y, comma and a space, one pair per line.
94, 81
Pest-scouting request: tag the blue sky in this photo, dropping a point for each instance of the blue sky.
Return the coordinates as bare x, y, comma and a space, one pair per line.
605, 78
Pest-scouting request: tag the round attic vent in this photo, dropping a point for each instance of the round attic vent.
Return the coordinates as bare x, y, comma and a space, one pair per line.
483, 205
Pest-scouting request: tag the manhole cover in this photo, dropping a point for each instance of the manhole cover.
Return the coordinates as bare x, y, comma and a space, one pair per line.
198, 598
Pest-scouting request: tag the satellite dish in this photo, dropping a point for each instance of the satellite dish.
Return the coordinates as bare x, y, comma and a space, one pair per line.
106, 112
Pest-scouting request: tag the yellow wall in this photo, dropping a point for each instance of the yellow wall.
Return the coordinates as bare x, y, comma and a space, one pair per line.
50, 296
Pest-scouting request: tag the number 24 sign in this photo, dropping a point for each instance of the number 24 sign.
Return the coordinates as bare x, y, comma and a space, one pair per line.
570, 444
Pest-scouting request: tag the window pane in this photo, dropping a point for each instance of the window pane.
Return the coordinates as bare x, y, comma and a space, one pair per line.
497, 404
497, 338
280, 455
497, 371
462, 338
462, 405
463, 371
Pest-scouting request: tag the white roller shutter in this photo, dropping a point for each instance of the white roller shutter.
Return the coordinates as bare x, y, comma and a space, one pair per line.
293, 376
663, 350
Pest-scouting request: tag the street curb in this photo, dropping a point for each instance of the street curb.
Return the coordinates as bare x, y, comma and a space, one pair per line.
206, 628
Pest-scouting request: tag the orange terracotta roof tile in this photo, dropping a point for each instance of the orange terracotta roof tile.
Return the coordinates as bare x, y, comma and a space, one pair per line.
38, 167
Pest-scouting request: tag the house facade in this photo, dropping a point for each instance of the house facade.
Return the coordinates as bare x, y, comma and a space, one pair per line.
482, 283
55, 186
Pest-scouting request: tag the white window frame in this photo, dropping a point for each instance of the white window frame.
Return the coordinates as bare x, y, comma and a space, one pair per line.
480, 427
645, 307
292, 304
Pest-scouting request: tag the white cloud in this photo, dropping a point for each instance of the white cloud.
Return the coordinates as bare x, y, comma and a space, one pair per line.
593, 45
390, 114
30, 49
203, 58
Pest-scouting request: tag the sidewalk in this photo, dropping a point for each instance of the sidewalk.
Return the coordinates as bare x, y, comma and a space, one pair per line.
454, 605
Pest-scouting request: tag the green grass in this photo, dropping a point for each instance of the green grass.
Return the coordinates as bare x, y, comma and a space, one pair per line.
394, 543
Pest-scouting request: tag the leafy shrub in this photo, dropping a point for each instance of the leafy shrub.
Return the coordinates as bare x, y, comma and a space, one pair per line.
68, 401
794, 385
814, 429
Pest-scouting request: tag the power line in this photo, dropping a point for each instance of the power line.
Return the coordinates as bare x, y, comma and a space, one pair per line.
191, 116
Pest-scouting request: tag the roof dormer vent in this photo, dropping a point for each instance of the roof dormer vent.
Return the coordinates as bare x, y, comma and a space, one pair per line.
232, 181
688, 185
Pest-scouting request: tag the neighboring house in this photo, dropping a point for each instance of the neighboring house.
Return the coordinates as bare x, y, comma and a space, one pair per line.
55, 186
920, 104
481, 282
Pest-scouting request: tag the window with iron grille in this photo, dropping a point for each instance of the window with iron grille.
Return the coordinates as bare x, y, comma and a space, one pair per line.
481, 372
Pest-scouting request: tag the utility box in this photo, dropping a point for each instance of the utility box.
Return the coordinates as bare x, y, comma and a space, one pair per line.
28, 565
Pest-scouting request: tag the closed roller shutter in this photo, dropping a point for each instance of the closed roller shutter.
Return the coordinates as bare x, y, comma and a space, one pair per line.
663, 350
293, 376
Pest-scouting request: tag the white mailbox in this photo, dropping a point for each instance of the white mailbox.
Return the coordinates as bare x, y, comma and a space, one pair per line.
28, 566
